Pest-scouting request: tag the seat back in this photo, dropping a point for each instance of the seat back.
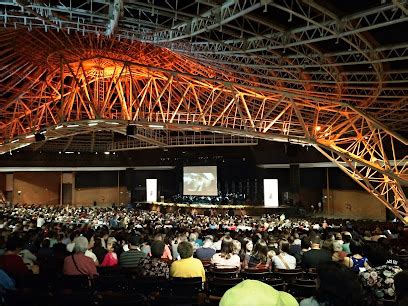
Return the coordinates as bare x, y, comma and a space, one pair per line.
76, 283
186, 286
218, 286
224, 273
301, 291
256, 274
288, 275
147, 285
276, 283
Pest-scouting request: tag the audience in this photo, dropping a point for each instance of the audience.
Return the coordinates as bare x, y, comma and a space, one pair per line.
153, 244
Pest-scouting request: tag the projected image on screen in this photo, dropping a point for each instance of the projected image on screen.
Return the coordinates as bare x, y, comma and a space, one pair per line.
200, 181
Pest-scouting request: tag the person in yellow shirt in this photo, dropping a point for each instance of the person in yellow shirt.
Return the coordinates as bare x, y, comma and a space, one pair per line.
187, 266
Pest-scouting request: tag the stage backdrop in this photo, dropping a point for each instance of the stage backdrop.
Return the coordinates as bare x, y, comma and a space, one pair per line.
271, 198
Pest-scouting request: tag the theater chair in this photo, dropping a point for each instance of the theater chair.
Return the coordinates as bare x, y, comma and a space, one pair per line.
182, 291
75, 290
288, 275
223, 273
256, 274
302, 289
218, 286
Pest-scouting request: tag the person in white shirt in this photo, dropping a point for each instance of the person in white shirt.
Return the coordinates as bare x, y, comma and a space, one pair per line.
284, 260
226, 258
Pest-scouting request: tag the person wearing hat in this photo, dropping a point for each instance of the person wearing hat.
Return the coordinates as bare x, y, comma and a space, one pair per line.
255, 293
133, 257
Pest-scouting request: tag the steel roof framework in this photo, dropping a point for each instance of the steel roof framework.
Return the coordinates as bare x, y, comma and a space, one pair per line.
212, 67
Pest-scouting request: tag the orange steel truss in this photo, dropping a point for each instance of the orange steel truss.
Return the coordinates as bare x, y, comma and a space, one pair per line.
98, 83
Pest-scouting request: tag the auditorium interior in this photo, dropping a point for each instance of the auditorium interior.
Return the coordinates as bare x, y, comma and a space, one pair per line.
204, 152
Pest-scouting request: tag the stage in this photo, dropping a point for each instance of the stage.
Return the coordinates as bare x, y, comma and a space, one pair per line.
211, 209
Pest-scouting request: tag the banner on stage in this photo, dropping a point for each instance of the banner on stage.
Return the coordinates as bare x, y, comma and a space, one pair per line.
271, 198
151, 190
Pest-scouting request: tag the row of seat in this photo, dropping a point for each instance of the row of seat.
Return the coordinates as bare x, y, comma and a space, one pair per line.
80, 290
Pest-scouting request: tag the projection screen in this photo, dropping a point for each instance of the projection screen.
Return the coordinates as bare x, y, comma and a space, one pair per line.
151, 190
271, 193
200, 181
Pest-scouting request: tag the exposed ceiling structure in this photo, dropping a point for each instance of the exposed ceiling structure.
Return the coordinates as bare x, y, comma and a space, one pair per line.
329, 74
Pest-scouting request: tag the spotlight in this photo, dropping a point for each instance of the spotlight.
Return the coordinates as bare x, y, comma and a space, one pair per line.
130, 130
318, 128
39, 137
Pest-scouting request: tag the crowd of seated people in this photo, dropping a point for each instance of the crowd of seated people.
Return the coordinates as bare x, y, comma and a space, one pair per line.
353, 262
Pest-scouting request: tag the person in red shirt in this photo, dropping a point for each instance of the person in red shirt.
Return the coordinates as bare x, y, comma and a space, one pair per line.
12, 263
78, 263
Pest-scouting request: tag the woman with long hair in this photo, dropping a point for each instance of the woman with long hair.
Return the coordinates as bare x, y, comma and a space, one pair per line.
226, 258
259, 257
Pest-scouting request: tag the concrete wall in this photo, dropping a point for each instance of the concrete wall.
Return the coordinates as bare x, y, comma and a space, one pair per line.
104, 196
36, 187
354, 204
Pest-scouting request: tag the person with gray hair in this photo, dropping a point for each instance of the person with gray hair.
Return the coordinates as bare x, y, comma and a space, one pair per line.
78, 263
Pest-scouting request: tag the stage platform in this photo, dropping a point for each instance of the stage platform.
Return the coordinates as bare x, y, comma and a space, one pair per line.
211, 209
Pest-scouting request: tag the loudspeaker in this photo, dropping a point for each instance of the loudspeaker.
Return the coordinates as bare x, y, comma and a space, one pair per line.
39, 137
130, 130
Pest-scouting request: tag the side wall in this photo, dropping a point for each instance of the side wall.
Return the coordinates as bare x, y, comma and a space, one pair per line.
354, 204
36, 187
103, 196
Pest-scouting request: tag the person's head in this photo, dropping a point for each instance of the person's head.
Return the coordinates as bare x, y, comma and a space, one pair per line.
135, 241
338, 236
328, 245
158, 237
356, 248
401, 286
315, 242
284, 246
208, 241
260, 250
157, 248
81, 244
249, 246
338, 285
347, 238
46, 243
227, 247
237, 246
192, 237
305, 243
185, 249
337, 246
14, 244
